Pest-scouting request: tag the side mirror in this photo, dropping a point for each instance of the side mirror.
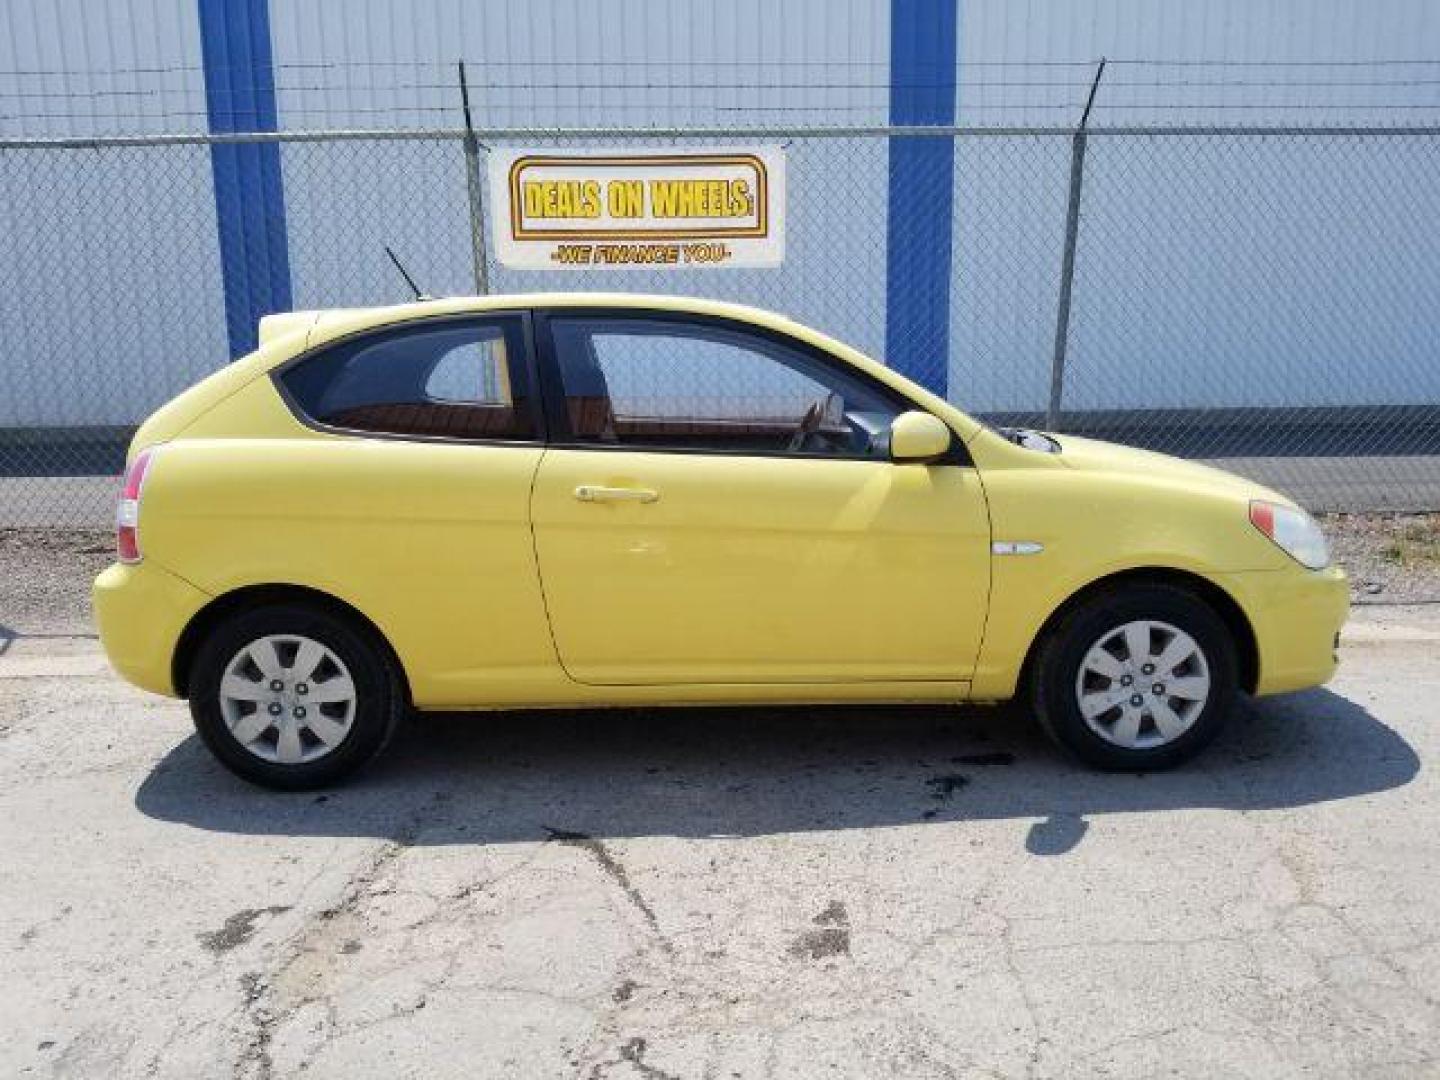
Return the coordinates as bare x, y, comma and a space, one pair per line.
918, 437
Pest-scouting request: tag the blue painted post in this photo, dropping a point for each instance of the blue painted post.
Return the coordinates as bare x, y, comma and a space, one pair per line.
249, 192
922, 182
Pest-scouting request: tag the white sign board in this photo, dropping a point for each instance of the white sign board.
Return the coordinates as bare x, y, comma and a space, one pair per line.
657, 209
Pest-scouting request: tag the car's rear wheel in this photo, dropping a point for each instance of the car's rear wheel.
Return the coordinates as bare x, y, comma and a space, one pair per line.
1139, 677
293, 697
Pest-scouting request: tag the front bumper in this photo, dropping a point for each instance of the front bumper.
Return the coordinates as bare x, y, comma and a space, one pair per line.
141, 611
1296, 615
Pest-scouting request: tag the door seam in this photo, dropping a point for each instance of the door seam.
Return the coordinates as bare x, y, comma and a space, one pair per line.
540, 570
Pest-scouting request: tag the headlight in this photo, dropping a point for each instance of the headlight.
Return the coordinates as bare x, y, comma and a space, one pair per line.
1294, 532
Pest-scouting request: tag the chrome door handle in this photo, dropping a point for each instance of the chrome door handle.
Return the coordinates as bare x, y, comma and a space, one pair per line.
597, 493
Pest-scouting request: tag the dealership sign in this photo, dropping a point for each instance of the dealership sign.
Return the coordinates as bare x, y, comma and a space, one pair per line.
665, 209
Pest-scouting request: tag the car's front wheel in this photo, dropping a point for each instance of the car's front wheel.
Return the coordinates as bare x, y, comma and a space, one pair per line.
293, 697
1139, 677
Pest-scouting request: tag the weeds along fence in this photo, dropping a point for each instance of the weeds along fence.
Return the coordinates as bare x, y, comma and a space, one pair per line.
1264, 298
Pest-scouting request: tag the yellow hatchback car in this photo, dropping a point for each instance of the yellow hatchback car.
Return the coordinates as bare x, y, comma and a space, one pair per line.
580, 500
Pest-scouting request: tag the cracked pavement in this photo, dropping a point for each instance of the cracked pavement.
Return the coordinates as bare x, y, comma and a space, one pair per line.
725, 893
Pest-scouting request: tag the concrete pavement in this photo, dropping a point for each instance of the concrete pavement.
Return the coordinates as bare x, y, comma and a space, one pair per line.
839, 892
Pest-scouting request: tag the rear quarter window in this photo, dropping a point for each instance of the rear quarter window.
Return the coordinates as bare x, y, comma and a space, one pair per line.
457, 379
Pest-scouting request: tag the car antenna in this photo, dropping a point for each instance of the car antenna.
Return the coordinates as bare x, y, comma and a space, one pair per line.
405, 274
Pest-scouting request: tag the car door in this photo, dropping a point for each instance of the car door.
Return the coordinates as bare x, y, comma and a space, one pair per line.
717, 505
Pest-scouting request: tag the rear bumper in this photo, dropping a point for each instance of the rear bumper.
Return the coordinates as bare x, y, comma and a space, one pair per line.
1296, 615
141, 610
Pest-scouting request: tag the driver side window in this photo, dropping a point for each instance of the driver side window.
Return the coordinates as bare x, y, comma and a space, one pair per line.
654, 383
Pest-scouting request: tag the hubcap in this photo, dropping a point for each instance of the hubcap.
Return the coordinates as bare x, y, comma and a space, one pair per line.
1143, 684
287, 699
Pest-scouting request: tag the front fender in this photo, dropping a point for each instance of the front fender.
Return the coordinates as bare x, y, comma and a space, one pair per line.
1092, 526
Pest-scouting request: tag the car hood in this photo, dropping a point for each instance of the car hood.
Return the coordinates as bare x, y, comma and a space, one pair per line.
1093, 455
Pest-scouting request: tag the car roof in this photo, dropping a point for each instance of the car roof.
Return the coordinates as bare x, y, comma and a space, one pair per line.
327, 325
510, 301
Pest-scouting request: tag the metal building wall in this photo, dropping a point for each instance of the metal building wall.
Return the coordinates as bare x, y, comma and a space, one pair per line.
74, 315
637, 63
1174, 269
1151, 213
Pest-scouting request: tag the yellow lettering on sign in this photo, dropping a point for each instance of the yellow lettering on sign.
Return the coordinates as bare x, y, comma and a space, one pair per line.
562, 198
740, 192
701, 198
626, 198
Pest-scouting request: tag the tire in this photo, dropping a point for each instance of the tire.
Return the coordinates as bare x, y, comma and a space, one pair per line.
1157, 721
232, 698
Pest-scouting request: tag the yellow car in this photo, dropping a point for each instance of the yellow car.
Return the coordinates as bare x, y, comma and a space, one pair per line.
579, 500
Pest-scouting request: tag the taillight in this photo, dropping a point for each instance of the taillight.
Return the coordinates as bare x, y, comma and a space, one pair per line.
127, 513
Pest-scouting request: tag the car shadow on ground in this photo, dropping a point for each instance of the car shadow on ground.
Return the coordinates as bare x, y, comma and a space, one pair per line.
501, 777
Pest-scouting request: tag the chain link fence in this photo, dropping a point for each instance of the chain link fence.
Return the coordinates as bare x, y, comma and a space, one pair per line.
1267, 299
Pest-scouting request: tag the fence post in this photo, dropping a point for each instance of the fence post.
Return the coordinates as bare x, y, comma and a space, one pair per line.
475, 190
1067, 262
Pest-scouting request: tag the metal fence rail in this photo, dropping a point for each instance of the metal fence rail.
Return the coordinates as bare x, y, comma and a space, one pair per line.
1265, 297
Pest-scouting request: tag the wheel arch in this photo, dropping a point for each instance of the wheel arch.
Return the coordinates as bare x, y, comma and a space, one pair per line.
1247, 650
249, 596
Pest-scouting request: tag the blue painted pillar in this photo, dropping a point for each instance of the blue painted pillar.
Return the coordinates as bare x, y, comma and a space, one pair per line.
249, 193
922, 185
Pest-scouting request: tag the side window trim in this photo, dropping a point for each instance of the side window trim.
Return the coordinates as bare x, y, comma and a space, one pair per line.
557, 421
523, 317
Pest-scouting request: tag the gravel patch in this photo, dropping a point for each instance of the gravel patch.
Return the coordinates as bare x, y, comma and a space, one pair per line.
45, 577
45, 584
1391, 558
